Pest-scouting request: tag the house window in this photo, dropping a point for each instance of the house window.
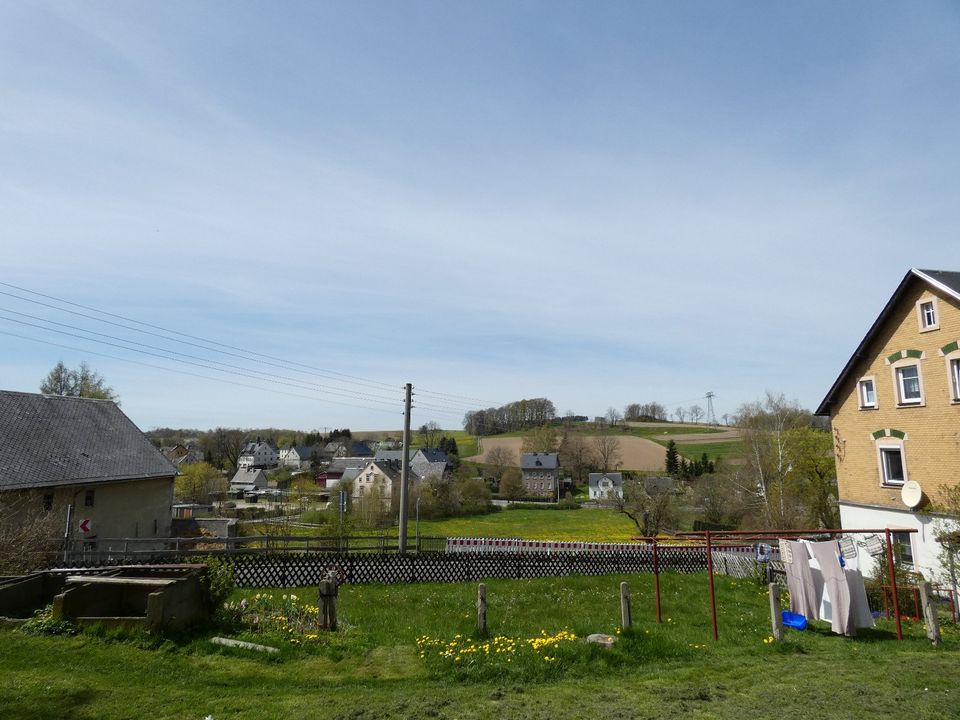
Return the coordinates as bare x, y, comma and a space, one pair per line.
908, 385
891, 465
868, 393
928, 315
88, 498
955, 378
902, 547
48, 502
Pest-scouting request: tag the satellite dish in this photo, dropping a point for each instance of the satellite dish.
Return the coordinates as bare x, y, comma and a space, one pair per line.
911, 494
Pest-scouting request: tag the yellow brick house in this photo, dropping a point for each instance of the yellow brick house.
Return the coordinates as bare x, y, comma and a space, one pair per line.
895, 415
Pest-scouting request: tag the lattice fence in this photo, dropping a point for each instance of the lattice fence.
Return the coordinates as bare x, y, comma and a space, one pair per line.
297, 569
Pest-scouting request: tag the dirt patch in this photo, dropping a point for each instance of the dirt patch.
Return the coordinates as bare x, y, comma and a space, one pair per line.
635, 453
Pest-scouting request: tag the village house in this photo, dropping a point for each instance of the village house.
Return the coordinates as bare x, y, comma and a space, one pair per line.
258, 454
84, 461
541, 473
248, 479
605, 486
895, 414
377, 484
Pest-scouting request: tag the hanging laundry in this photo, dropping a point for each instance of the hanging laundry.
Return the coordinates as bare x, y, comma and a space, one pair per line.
836, 588
804, 593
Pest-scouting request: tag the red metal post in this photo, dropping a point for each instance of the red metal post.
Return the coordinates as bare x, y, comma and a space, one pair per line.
656, 578
713, 597
893, 584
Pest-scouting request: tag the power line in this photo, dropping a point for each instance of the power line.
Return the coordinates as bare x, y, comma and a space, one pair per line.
186, 372
243, 372
193, 337
247, 355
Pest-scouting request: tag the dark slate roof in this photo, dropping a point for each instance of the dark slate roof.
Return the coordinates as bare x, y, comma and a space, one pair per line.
392, 455
949, 280
434, 455
47, 440
946, 281
341, 464
538, 461
424, 470
304, 452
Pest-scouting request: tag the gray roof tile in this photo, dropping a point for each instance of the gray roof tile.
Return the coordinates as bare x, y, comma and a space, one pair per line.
46, 440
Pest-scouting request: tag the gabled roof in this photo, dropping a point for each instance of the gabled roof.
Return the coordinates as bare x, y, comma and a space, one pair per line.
50, 440
945, 281
425, 470
341, 464
433, 455
304, 452
593, 479
538, 461
391, 455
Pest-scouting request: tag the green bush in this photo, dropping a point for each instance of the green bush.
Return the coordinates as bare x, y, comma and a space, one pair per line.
43, 623
217, 582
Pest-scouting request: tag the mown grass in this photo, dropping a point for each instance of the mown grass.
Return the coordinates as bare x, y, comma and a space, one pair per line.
727, 450
372, 666
595, 525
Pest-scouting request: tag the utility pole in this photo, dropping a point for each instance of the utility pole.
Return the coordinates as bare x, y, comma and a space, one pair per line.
404, 471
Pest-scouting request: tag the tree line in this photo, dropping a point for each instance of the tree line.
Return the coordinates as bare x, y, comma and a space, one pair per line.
518, 415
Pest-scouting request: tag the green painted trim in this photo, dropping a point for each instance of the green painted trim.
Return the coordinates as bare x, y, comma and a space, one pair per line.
897, 434
915, 354
952, 347
879, 434
896, 356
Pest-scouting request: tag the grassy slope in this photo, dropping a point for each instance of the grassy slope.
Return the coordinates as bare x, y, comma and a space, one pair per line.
370, 668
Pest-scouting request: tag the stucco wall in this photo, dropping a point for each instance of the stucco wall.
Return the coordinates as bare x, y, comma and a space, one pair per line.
130, 509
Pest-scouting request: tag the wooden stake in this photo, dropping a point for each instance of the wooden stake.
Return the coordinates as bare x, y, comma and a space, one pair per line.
930, 613
776, 616
626, 619
482, 609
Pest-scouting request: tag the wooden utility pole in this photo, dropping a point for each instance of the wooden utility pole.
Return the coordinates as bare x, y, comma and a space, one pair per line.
404, 471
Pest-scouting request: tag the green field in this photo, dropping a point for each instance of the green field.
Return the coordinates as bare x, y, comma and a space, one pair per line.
407, 652
585, 524
727, 450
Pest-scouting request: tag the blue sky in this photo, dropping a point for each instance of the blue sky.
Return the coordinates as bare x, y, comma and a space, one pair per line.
599, 203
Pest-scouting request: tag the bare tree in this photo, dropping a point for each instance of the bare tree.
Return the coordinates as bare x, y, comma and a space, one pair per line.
27, 532
541, 439
679, 414
696, 413
613, 416
652, 509
499, 459
429, 434
606, 448
768, 453
576, 455
632, 411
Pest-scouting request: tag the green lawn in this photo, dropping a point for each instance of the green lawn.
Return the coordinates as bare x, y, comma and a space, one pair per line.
727, 450
407, 652
584, 524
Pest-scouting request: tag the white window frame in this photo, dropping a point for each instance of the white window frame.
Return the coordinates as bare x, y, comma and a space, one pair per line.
927, 310
898, 385
904, 540
953, 367
861, 395
890, 445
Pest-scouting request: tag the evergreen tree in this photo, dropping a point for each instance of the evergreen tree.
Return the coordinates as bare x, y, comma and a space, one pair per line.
673, 459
